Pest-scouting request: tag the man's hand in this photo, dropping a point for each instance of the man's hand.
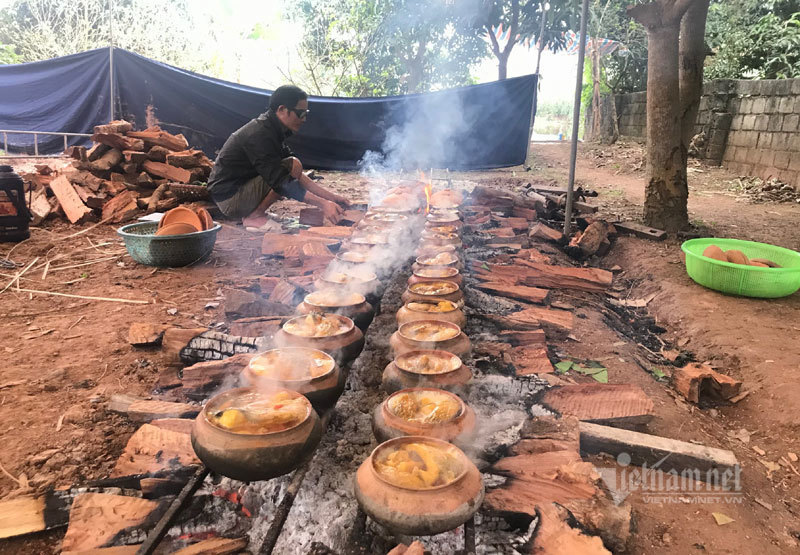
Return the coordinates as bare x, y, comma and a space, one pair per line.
341, 201
331, 212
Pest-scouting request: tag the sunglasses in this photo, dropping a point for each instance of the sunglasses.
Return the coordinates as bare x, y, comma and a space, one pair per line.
300, 113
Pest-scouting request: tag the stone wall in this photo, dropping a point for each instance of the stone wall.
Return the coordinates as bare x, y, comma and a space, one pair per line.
752, 127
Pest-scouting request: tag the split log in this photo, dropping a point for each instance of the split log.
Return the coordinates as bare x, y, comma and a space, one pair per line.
135, 156
155, 136
554, 536
116, 126
144, 180
176, 339
313, 264
152, 448
215, 345
694, 379
203, 377
590, 240
416, 548
553, 321
96, 518
145, 334
527, 213
76, 152
351, 217
514, 337
86, 179
542, 435
619, 404
507, 323
188, 159
120, 142
121, 208
107, 160
163, 205
69, 200
144, 410
530, 360
314, 249
244, 304
266, 284
286, 293
260, 326
152, 204
658, 453
312, 216
114, 188
541, 231
566, 277
306, 283
40, 207
520, 292
533, 201
215, 546
158, 154
96, 152
166, 171
515, 223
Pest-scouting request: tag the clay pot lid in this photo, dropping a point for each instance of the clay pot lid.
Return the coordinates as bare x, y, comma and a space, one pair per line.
176, 228
403, 361
346, 327
205, 218
214, 404
439, 235
443, 216
404, 329
434, 390
181, 214
360, 256
421, 259
369, 239
393, 444
435, 249
425, 284
413, 309
386, 216
448, 271
341, 299
296, 355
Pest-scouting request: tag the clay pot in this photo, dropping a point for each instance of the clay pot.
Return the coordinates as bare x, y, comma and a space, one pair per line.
414, 293
323, 391
181, 214
205, 218
459, 431
398, 374
440, 228
253, 457
352, 305
418, 512
362, 282
401, 342
410, 314
432, 250
343, 347
382, 217
177, 228
444, 217
436, 273
427, 261
433, 238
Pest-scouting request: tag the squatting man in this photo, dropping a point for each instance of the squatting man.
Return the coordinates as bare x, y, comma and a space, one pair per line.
255, 168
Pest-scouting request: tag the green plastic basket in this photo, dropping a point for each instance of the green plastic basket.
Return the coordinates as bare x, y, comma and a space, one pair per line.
736, 279
167, 250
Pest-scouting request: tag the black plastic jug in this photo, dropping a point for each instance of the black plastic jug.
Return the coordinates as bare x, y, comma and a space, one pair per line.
14, 213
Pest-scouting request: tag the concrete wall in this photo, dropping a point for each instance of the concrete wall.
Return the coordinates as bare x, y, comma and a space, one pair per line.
751, 127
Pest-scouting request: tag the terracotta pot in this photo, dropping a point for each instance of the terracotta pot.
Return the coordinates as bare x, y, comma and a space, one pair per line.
438, 260
323, 391
420, 512
401, 342
351, 258
459, 431
205, 217
352, 305
436, 273
181, 214
444, 217
424, 249
433, 238
411, 314
357, 281
176, 228
343, 347
384, 217
253, 457
398, 374
414, 292
439, 227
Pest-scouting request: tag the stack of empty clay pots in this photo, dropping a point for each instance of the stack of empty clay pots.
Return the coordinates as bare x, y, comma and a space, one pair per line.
183, 220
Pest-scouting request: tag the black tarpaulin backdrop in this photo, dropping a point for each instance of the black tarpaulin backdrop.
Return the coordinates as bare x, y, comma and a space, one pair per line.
479, 126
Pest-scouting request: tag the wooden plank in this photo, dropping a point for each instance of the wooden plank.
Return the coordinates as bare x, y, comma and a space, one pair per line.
116, 126
641, 231
541, 231
96, 518
259, 326
528, 360
527, 337
70, 202
204, 376
155, 136
285, 293
145, 410
656, 452
601, 403
176, 339
552, 320
327, 232
143, 334
152, 448
166, 171
188, 159
215, 546
121, 208
23, 515
566, 277
107, 160
120, 142
135, 156
521, 292
311, 216
276, 243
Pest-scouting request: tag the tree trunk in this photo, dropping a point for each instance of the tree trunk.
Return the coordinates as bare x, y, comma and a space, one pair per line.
666, 192
502, 66
692, 53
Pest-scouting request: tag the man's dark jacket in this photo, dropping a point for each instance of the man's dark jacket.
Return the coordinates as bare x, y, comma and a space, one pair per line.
257, 148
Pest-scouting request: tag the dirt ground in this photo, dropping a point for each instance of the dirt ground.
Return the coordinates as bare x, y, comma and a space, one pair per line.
64, 356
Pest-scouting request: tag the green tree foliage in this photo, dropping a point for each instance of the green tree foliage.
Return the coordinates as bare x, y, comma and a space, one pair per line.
753, 38
381, 47
621, 72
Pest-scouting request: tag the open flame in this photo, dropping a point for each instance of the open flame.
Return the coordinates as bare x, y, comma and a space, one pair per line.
428, 188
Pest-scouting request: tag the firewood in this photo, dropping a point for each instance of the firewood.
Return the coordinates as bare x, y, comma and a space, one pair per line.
520, 292
129, 169
590, 240
312, 216
96, 518
152, 204
120, 142
69, 200
554, 535
163, 205
87, 180
529, 337
152, 448
533, 201
205, 376
541, 231
107, 160
154, 136
351, 217
116, 126
506, 323
175, 339
96, 152
215, 345
333, 232
244, 304
582, 279
43, 169
306, 283
76, 152
144, 410
314, 249
554, 321
188, 159
260, 326
285, 293
199, 174
657, 452
158, 154
515, 223
83, 193
528, 360
40, 207
96, 201
527, 213
694, 379
166, 171
114, 188
121, 208
215, 546
145, 334
135, 156
267, 284
620, 404
276, 243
